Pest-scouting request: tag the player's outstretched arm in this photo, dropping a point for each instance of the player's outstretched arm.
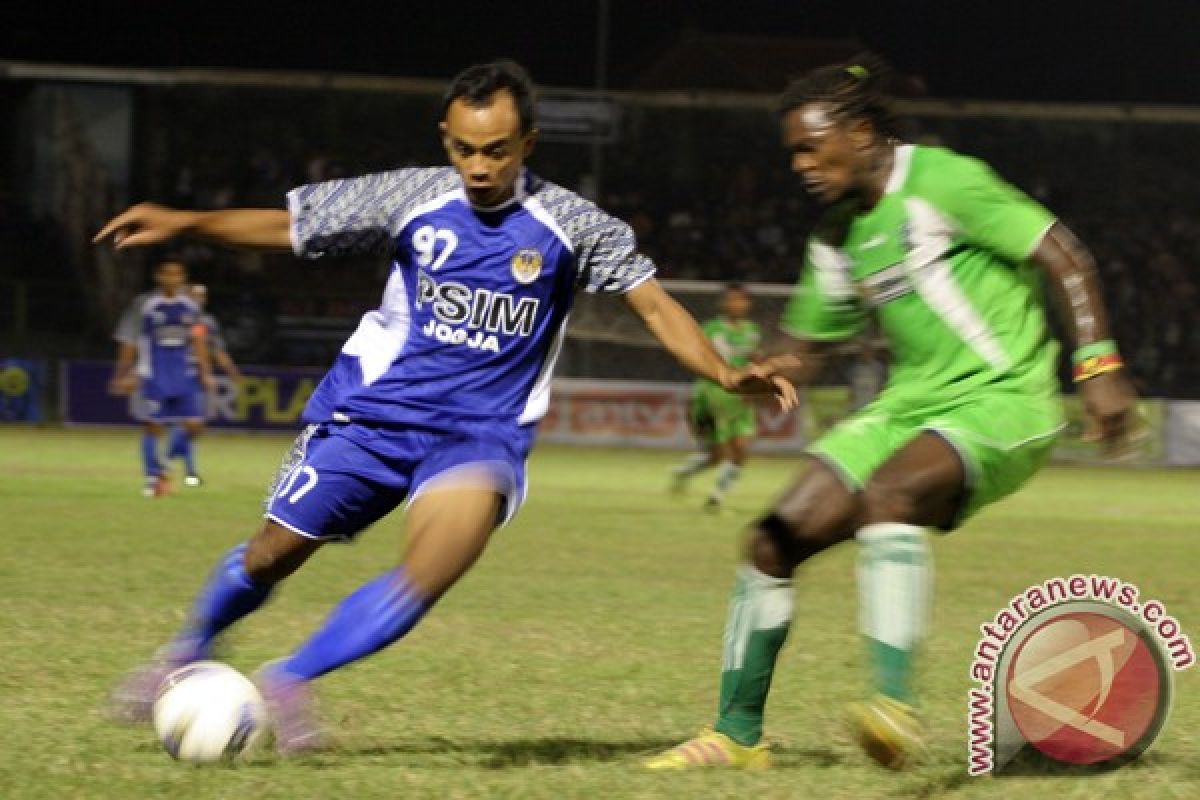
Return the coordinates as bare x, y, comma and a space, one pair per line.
149, 223
683, 337
1108, 397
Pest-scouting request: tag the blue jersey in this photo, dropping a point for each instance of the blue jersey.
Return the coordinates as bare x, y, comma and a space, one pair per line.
161, 329
475, 309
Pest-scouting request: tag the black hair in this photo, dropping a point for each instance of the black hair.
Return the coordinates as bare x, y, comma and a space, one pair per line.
855, 88
476, 85
170, 258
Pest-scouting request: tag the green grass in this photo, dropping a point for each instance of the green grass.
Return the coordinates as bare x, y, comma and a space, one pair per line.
588, 635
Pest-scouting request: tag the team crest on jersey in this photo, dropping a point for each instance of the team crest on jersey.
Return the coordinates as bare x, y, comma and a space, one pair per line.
527, 265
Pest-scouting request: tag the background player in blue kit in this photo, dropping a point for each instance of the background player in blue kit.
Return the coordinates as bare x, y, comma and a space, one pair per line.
435, 398
180, 442
160, 356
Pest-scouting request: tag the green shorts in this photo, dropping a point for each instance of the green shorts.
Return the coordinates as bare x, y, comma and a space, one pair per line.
1003, 437
718, 416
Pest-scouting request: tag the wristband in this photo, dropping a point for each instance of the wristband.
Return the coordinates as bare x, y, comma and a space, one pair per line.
1096, 365
1104, 347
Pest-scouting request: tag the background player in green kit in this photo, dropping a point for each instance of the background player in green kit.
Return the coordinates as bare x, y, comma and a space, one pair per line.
723, 422
950, 260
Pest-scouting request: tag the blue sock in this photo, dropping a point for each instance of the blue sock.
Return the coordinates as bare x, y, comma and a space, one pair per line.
367, 621
229, 595
180, 446
150, 464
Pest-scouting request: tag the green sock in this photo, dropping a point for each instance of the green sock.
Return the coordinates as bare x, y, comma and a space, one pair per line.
759, 616
895, 577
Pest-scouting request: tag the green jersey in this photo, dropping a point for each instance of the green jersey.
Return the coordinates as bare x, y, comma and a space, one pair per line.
737, 342
943, 262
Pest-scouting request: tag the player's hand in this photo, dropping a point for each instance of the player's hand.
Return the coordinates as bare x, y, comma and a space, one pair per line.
144, 224
759, 380
123, 385
209, 383
1110, 406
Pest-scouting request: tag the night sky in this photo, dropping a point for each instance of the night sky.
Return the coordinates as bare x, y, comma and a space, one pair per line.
1063, 51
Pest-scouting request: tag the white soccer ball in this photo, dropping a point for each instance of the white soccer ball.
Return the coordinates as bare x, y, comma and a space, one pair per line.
208, 712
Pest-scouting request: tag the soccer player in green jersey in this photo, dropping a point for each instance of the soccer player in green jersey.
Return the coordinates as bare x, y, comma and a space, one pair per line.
723, 422
950, 260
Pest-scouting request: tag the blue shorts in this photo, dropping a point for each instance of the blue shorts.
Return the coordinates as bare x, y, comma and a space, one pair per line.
155, 405
340, 478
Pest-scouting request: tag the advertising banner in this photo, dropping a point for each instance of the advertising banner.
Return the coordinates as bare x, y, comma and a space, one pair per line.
270, 398
21, 385
645, 414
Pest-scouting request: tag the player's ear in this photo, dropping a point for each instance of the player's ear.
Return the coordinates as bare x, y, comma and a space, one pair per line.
444, 132
528, 143
862, 135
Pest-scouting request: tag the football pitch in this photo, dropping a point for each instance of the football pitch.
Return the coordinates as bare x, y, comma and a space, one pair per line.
588, 635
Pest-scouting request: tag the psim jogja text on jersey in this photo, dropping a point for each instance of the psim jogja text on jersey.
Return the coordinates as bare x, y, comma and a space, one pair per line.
484, 312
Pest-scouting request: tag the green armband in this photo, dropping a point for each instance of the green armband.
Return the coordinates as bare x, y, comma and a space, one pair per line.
1104, 347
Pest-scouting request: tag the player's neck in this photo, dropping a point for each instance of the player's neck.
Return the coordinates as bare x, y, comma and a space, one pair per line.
878, 172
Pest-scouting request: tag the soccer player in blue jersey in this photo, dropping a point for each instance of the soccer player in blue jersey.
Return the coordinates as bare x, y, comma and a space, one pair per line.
162, 359
435, 399
180, 439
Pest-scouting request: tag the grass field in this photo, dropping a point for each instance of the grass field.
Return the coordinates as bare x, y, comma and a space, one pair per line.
588, 635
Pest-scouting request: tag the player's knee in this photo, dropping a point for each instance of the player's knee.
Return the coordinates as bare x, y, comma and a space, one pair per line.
889, 501
781, 545
766, 554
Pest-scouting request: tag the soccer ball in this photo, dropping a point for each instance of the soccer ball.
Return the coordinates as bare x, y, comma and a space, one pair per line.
208, 712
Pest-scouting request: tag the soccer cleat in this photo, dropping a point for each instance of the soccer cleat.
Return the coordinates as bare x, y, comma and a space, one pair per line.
156, 486
193, 481
712, 749
290, 706
889, 731
133, 700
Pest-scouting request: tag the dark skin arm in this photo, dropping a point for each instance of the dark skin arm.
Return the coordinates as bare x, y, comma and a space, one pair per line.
1108, 399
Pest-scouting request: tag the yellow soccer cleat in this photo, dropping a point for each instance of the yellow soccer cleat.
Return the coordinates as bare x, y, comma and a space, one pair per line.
712, 749
889, 731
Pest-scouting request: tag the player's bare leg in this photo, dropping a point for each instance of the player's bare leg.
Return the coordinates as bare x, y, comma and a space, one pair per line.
449, 527
920, 486
240, 584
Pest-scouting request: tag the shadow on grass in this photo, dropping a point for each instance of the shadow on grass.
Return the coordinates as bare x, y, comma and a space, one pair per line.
551, 751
